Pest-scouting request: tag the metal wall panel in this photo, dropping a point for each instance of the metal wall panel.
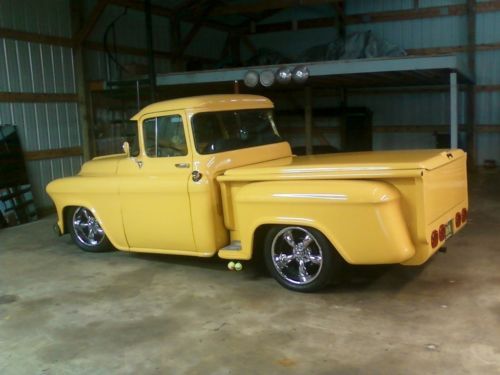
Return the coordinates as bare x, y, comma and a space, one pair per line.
33, 67
488, 67
419, 33
488, 73
99, 66
130, 29
370, 6
41, 172
488, 27
292, 43
40, 68
207, 43
300, 13
433, 108
393, 110
438, 3
488, 147
50, 17
426, 108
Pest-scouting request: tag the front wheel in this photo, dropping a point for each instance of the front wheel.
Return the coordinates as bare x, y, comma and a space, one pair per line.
300, 258
86, 231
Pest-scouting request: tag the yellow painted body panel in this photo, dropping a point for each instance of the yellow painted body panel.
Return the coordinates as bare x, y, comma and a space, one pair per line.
374, 207
362, 219
97, 193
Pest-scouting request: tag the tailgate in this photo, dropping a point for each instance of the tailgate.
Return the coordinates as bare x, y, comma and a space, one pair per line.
445, 186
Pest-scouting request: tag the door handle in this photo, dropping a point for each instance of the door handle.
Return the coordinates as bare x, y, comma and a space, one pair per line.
182, 165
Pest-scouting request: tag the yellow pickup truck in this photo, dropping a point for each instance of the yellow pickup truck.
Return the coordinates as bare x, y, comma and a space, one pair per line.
210, 175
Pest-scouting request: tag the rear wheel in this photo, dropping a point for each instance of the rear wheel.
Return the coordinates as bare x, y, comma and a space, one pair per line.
300, 258
86, 231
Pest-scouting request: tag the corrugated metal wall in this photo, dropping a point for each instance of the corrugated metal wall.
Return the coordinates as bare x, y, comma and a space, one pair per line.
130, 32
413, 109
27, 67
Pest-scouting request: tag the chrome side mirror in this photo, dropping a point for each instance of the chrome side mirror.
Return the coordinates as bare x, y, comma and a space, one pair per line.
126, 148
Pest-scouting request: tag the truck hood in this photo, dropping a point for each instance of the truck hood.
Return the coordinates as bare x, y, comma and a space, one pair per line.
360, 164
102, 165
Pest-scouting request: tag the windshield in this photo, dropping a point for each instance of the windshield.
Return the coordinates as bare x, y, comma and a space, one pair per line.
230, 130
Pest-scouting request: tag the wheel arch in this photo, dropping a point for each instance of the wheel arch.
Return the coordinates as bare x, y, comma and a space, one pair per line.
260, 232
362, 220
116, 237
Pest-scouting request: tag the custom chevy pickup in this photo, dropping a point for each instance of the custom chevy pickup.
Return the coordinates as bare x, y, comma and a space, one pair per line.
210, 175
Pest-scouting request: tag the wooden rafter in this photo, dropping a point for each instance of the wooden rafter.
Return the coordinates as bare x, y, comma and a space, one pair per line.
261, 6
90, 22
195, 28
397, 15
139, 5
35, 37
53, 153
32, 97
249, 44
165, 12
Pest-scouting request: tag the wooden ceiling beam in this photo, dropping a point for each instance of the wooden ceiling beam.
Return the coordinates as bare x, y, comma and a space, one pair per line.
90, 22
195, 29
166, 12
388, 16
139, 5
261, 6
35, 37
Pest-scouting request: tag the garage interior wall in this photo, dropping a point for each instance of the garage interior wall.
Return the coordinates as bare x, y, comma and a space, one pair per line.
407, 120
401, 119
37, 90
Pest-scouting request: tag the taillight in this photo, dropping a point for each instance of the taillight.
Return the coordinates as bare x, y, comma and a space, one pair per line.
464, 215
442, 232
458, 219
434, 238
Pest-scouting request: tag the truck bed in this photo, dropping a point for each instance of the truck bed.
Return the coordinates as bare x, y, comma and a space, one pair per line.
432, 187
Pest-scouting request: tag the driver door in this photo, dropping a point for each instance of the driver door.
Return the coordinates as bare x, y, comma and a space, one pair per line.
154, 187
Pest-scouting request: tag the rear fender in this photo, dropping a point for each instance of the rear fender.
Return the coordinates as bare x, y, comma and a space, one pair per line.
363, 220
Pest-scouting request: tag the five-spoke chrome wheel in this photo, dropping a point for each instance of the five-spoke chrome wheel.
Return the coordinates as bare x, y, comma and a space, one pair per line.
86, 230
299, 258
296, 255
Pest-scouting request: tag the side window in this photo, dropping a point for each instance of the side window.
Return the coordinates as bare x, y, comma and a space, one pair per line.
164, 137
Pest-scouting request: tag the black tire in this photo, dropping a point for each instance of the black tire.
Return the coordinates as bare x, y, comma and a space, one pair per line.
300, 258
86, 231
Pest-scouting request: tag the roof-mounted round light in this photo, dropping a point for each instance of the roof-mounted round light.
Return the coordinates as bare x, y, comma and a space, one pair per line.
251, 78
284, 75
300, 74
266, 78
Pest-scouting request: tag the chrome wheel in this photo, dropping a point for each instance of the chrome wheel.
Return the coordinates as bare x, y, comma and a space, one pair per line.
296, 255
87, 229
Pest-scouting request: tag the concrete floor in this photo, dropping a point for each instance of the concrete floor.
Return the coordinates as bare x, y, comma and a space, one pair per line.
66, 311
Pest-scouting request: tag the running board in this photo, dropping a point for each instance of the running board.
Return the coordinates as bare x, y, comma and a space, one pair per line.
231, 251
233, 246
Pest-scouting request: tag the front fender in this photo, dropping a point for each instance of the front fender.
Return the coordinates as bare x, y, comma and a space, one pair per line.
98, 194
362, 219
